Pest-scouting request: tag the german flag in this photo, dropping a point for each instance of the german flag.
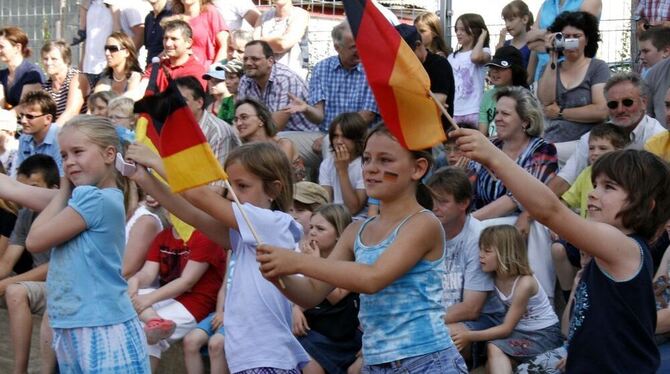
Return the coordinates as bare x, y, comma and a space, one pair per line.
167, 125
396, 76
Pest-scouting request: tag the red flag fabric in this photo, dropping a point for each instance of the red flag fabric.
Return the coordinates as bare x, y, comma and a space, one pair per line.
396, 76
167, 124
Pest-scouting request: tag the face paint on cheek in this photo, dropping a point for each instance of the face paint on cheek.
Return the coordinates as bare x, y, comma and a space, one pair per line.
390, 176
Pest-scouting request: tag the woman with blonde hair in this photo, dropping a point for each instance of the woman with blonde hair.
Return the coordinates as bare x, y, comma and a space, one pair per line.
64, 82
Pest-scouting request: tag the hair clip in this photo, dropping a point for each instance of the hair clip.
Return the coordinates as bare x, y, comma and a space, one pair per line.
124, 134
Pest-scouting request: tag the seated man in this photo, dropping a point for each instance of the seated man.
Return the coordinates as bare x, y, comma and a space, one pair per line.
24, 294
468, 297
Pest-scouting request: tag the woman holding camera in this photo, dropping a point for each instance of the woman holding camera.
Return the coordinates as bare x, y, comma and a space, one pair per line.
571, 88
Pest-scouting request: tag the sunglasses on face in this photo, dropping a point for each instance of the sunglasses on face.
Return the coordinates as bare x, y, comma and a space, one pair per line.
615, 104
113, 48
30, 116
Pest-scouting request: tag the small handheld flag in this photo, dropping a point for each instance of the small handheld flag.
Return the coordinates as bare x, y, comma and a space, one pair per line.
396, 76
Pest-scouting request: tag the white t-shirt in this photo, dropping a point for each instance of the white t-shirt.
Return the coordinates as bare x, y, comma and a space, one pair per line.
233, 12
469, 82
328, 177
99, 26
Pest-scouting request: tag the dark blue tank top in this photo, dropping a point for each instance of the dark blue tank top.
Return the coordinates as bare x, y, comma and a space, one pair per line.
613, 323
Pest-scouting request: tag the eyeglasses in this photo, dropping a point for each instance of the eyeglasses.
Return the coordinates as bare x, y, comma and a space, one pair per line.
113, 48
615, 104
243, 117
30, 116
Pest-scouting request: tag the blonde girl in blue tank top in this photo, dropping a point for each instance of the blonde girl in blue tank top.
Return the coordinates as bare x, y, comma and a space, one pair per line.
394, 260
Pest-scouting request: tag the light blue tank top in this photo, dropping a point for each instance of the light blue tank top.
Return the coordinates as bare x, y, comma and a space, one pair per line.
549, 10
405, 319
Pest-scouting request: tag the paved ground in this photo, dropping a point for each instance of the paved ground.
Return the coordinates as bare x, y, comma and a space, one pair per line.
172, 362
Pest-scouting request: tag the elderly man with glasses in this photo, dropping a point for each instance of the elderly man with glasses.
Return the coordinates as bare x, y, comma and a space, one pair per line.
626, 96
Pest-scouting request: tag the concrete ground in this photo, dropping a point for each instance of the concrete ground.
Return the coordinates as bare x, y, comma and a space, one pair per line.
172, 362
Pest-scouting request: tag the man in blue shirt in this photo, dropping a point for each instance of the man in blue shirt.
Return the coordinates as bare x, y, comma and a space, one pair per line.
338, 85
40, 134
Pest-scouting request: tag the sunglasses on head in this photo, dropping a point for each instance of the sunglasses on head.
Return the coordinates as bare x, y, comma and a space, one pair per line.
30, 116
113, 48
615, 104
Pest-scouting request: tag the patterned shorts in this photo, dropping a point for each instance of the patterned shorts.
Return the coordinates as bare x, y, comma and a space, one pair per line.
268, 371
119, 348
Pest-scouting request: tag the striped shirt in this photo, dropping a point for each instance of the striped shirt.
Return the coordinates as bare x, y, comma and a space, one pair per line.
282, 81
220, 135
539, 159
60, 96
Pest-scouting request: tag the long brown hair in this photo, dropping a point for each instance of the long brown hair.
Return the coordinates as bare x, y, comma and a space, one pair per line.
131, 62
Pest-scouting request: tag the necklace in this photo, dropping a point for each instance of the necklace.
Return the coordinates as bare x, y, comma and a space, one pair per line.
116, 79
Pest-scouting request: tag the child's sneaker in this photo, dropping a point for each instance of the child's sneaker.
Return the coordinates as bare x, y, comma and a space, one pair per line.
158, 329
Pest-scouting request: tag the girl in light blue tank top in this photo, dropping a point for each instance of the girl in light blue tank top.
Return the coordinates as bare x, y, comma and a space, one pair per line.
394, 260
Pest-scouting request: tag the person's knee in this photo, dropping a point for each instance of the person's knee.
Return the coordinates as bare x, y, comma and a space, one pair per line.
16, 295
492, 350
193, 341
558, 252
216, 345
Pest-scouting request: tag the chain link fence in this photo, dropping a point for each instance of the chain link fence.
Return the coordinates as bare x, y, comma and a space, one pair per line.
42, 20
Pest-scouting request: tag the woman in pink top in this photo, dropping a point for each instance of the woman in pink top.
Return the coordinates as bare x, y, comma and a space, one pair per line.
210, 33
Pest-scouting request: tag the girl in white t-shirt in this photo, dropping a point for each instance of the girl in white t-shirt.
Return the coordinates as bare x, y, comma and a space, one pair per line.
342, 174
467, 63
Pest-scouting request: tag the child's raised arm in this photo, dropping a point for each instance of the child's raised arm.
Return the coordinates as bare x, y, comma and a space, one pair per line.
33, 198
525, 289
57, 223
611, 247
419, 238
213, 204
181, 208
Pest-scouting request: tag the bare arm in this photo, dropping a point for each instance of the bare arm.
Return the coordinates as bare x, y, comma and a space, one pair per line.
420, 239
525, 289
75, 98
281, 118
615, 252
479, 56
192, 272
9, 259
138, 36
468, 309
502, 206
221, 45
294, 32
140, 237
546, 87
56, 224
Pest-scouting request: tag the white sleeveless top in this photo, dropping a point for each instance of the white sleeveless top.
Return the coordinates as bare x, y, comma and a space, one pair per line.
539, 313
139, 212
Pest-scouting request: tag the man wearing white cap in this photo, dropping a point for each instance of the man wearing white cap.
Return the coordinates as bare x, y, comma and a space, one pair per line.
9, 145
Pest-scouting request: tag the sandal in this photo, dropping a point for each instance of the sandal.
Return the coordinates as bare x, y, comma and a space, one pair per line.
158, 329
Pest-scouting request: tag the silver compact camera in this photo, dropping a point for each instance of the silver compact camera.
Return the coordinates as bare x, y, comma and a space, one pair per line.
562, 43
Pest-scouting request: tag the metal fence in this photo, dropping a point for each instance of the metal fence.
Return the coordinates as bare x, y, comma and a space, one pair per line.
52, 19
42, 20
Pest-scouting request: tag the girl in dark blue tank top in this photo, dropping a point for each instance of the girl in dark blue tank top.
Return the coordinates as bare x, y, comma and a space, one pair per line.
613, 321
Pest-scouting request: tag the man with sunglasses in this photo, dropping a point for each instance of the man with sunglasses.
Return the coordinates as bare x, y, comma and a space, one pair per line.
39, 134
626, 96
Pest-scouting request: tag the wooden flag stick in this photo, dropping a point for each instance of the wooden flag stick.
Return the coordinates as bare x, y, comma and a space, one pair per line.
444, 110
248, 222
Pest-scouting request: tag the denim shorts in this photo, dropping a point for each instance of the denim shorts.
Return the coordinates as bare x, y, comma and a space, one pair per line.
206, 326
440, 362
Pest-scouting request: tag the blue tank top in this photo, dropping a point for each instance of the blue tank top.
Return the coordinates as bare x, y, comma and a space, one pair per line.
405, 318
549, 10
613, 323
